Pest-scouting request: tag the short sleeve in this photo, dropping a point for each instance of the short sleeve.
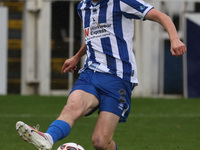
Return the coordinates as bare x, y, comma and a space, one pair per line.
79, 9
134, 9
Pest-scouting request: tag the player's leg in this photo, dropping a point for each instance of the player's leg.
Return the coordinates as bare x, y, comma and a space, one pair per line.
79, 104
104, 130
114, 107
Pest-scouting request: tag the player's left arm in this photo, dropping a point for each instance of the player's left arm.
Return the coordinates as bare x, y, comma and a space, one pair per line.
71, 64
177, 47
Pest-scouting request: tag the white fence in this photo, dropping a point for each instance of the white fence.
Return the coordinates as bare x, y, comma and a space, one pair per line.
149, 56
3, 50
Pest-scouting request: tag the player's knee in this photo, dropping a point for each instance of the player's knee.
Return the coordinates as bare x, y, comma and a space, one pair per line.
100, 142
72, 109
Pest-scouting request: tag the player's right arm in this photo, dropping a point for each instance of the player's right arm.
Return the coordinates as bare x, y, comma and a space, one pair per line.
71, 64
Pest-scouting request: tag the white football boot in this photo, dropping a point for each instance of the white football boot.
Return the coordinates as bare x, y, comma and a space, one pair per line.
33, 136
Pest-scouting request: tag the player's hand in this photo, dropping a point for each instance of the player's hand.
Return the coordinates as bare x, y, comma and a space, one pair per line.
177, 48
69, 65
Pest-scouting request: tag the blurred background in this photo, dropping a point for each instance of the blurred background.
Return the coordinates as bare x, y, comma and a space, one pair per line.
37, 36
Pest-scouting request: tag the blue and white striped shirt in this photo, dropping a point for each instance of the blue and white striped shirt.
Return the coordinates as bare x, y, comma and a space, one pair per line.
109, 30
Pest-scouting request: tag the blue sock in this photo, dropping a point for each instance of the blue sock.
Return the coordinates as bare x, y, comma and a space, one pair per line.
116, 146
58, 130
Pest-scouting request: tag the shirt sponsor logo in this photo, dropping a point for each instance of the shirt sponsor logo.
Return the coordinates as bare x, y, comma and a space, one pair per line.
97, 30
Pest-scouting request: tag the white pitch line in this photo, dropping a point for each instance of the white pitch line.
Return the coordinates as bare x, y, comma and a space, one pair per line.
161, 115
190, 115
27, 115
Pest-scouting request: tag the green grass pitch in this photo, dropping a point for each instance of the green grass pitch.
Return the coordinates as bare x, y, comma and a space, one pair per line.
153, 124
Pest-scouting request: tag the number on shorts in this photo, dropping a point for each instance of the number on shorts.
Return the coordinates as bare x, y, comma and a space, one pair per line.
122, 93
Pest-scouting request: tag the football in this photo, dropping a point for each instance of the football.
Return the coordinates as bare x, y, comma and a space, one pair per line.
70, 146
